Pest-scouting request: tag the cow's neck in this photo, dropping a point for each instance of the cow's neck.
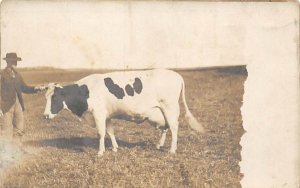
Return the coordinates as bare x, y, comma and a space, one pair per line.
76, 99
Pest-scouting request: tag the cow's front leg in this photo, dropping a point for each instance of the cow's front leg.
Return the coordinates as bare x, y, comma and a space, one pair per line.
101, 126
110, 131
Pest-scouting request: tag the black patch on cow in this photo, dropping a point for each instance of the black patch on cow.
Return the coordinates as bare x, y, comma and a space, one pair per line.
129, 90
114, 89
74, 96
137, 85
57, 101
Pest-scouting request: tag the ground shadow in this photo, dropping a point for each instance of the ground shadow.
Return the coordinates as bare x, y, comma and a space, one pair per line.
79, 143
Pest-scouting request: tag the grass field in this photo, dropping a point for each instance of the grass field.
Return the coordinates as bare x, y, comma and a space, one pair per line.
63, 151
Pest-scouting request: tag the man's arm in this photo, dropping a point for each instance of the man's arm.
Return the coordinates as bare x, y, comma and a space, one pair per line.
27, 89
30, 89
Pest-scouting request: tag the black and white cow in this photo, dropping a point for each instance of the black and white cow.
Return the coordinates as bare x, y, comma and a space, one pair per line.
136, 96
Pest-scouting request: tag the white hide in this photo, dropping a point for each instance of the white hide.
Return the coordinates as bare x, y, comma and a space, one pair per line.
158, 102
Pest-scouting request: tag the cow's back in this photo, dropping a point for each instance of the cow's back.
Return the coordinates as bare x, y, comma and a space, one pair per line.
134, 90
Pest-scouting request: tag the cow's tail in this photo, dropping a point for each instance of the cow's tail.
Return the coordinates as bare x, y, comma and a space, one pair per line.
188, 115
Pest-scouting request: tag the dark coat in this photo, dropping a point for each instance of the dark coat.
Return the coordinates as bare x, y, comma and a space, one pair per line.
11, 88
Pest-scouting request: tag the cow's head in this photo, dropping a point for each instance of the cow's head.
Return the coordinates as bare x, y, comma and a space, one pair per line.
71, 97
55, 100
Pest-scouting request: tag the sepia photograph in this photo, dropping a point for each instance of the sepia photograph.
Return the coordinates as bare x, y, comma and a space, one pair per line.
145, 94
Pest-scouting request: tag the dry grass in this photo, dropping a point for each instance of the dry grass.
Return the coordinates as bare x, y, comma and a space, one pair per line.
65, 150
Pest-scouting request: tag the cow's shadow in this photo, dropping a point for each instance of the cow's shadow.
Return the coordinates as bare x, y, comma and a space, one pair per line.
80, 143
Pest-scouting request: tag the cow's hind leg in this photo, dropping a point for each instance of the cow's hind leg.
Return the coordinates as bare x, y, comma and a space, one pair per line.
174, 131
171, 113
110, 131
101, 126
163, 137
156, 118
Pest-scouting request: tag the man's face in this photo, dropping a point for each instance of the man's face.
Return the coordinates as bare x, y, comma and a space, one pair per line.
12, 63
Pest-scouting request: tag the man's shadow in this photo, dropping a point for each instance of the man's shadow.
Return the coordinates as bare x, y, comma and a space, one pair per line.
80, 143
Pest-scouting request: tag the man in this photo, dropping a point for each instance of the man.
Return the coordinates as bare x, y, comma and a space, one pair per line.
12, 105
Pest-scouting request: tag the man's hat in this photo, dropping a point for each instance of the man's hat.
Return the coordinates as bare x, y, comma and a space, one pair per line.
12, 57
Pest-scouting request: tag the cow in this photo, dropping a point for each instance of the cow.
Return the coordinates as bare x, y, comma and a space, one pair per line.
136, 96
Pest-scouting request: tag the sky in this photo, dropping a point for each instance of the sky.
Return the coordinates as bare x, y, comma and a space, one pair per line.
117, 34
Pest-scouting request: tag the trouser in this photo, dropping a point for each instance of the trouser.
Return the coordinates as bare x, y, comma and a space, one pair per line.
13, 123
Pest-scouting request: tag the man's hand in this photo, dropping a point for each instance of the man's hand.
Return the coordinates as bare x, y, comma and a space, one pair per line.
1, 113
40, 88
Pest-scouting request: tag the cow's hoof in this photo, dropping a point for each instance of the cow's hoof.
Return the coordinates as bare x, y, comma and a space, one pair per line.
172, 151
115, 149
100, 153
157, 146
